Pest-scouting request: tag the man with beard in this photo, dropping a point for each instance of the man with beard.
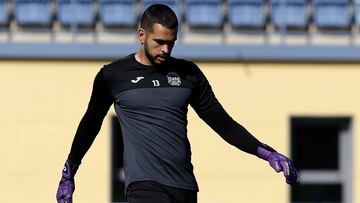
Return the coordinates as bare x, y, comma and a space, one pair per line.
151, 92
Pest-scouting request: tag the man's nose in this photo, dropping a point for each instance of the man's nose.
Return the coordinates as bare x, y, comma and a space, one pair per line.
165, 49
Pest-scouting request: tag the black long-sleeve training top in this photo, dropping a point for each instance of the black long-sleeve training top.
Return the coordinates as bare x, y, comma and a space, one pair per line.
152, 104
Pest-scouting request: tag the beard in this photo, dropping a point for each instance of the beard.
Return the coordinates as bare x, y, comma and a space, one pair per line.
151, 57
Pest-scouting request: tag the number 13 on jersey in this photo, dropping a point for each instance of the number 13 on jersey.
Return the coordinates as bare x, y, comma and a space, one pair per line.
156, 83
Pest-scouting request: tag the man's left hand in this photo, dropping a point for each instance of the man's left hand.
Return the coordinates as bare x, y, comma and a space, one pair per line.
279, 163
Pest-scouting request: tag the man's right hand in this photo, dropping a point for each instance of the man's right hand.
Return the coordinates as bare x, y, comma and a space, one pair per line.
67, 184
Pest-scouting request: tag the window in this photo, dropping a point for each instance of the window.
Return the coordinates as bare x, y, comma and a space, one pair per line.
316, 193
117, 166
322, 152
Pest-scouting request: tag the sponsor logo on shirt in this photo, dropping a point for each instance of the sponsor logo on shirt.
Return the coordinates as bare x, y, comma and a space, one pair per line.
137, 79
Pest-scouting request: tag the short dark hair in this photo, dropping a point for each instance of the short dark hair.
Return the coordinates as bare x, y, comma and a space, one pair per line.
161, 14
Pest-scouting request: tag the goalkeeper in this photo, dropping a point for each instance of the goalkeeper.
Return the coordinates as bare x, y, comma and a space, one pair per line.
151, 92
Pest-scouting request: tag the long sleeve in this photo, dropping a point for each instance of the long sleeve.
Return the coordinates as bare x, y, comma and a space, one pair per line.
210, 110
91, 122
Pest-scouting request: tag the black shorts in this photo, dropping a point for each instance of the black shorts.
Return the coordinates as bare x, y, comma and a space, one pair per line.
153, 192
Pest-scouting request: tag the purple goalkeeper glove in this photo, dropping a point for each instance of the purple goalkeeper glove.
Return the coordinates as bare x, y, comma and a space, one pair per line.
67, 183
279, 163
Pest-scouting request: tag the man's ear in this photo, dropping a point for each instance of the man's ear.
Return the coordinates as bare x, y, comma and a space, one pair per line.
141, 35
